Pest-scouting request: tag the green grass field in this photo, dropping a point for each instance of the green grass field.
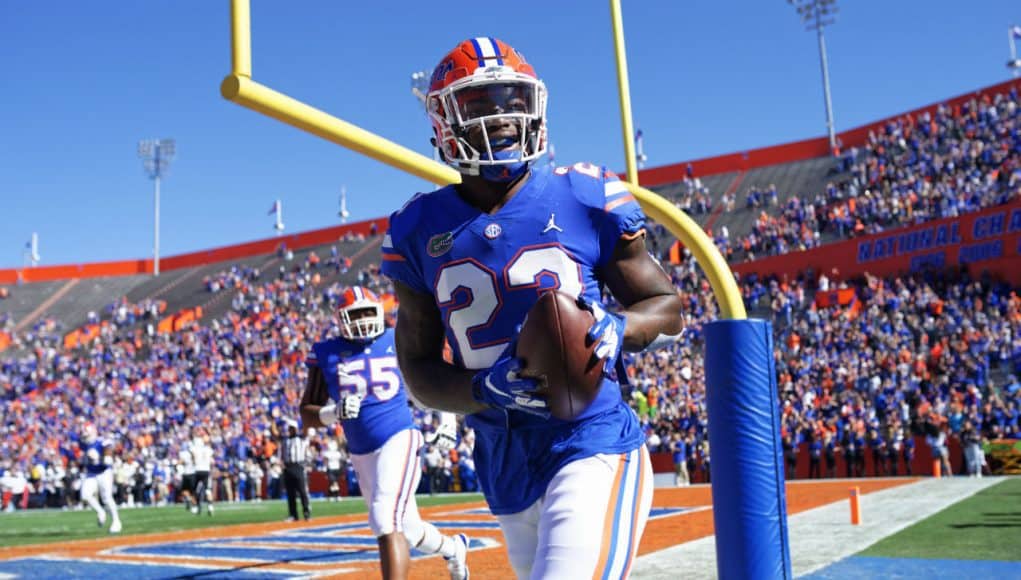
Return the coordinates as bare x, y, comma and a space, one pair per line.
986, 526
50, 526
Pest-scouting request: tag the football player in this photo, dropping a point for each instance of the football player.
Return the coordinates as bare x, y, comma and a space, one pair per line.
354, 378
97, 466
469, 261
186, 472
333, 462
202, 456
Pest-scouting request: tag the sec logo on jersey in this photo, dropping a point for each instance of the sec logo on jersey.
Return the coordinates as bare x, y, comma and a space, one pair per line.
493, 231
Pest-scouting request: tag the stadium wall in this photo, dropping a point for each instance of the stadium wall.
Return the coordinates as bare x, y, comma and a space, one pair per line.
797, 150
192, 259
662, 462
985, 241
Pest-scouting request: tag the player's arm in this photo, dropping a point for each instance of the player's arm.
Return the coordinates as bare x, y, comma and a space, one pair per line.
419, 336
314, 400
651, 304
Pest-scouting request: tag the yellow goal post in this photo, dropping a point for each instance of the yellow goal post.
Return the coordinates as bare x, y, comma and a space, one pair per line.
240, 88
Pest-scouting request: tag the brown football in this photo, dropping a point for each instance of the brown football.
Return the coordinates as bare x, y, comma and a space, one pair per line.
555, 350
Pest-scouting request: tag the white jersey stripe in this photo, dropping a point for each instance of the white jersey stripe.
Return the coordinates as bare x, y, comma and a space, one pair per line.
614, 187
642, 457
620, 550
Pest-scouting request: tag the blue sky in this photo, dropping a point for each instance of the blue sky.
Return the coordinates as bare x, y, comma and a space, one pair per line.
82, 82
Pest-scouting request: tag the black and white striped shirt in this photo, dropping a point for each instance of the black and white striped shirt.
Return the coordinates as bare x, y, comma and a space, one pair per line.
294, 450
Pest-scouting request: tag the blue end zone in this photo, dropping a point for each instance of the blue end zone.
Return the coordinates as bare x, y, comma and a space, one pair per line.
348, 549
38, 568
467, 525
212, 550
666, 512
353, 541
329, 529
473, 512
865, 567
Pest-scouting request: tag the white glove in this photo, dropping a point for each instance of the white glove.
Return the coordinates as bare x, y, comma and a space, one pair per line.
350, 406
445, 436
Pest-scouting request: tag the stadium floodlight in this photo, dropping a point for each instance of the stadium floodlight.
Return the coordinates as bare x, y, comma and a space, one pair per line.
31, 253
420, 88
420, 85
640, 155
278, 211
1014, 64
817, 15
343, 213
156, 155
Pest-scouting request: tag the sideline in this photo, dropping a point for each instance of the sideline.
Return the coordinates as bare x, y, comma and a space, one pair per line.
824, 535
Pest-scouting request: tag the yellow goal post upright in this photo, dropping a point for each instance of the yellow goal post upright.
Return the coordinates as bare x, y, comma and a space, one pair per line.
239, 87
749, 500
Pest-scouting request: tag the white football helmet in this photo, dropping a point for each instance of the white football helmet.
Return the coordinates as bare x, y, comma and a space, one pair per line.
360, 314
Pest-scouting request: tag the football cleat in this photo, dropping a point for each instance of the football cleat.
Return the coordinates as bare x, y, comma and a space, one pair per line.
457, 564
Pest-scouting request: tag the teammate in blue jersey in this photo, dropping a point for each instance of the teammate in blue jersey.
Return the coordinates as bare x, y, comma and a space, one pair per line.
354, 378
468, 261
97, 468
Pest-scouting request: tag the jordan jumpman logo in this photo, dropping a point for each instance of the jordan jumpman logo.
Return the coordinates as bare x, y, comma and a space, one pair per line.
552, 224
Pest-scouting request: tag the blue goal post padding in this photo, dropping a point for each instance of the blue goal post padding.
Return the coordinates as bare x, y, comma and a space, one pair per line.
749, 503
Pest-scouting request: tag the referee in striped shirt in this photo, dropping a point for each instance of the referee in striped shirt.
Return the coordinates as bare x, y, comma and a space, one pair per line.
294, 452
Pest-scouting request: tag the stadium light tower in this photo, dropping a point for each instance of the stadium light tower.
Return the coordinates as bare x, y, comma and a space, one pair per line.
278, 211
343, 213
156, 155
817, 15
31, 253
420, 88
1014, 64
420, 85
640, 155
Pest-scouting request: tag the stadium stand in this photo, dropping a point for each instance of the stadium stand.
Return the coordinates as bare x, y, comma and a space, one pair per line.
925, 165
874, 371
20, 303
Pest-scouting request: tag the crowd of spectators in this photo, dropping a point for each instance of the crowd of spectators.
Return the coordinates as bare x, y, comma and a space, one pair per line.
905, 356
149, 393
914, 169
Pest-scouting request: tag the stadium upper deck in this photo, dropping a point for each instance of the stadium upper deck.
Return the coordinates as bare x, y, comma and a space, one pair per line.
767, 201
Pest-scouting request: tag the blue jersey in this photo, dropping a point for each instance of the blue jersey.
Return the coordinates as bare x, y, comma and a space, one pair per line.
370, 370
94, 458
485, 271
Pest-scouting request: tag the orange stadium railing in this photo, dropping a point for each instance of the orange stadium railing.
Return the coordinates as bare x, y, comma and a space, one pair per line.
192, 259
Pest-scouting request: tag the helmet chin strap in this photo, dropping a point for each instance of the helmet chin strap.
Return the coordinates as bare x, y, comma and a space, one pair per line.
504, 173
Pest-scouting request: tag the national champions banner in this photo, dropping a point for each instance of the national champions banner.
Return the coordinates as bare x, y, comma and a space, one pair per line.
984, 241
